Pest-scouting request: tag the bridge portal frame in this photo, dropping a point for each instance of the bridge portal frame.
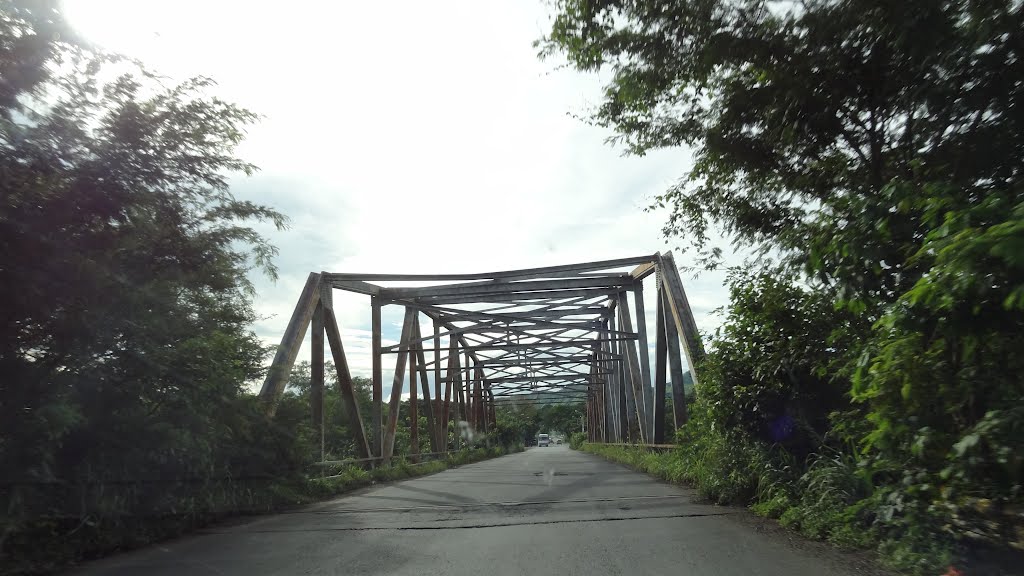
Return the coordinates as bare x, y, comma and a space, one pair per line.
563, 331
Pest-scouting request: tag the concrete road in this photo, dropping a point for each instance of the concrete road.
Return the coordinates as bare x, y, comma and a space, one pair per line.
545, 511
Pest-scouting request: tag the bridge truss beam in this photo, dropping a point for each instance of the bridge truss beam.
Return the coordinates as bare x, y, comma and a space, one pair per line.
558, 333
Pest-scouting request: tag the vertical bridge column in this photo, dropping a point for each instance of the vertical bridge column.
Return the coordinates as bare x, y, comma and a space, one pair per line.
316, 368
377, 385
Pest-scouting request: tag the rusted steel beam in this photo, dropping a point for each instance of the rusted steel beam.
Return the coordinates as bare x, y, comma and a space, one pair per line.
644, 270
345, 384
454, 374
483, 290
681, 313
524, 399
505, 337
508, 307
316, 373
626, 416
352, 285
520, 296
377, 385
609, 391
478, 329
425, 387
414, 410
679, 411
473, 322
601, 386
638, 391
541, 378
660, 366
486, 330
478, 404
523, 315
628, 402
468, 400
539, 354
488, 410
539, 371
530, 337
396, 387
547, 386
501, 360
543, 272
438, 412
288, 350
482, 324
463, 399
645, 359
487, 362
591, 424
456, 407
581, 343
530, 400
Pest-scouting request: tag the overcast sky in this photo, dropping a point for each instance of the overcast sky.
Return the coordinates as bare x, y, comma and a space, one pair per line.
408, 137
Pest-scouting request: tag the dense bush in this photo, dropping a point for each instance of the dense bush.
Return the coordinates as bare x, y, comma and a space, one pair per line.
126, 344
577, 440
772, 428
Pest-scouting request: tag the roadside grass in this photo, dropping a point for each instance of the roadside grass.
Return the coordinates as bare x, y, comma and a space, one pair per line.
830, 502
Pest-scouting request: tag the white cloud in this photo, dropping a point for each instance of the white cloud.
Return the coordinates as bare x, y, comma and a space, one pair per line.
408, 137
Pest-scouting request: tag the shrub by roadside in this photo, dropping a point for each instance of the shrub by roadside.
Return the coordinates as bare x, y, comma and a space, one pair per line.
577, 440
831, 501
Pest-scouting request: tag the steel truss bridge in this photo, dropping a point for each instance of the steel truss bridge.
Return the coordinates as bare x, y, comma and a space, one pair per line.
564, 332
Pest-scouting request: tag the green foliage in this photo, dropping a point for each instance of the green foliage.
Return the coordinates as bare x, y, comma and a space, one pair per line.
338, 443
470, 455
577, 440
800, 116
520, 423
126, 343
516, 424
774, 373
33, 34
657, 463
561, 418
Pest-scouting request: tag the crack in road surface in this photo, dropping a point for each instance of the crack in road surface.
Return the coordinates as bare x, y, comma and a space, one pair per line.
462, 526
480, 505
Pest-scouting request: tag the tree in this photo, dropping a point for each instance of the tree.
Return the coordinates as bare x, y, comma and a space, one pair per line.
516, 423
125, 342
814, 125
562, 418
33, 34
294, 411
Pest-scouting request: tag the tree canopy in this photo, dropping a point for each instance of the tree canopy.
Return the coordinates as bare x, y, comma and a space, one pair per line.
126, 346
814, 125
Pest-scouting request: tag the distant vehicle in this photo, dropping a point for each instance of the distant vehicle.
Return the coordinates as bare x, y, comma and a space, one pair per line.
543, 441
558, 440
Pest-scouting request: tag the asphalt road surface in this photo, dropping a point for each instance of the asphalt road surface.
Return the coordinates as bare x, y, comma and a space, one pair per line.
545, 511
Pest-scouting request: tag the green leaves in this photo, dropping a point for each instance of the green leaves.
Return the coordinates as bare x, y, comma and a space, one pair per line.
126, 326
